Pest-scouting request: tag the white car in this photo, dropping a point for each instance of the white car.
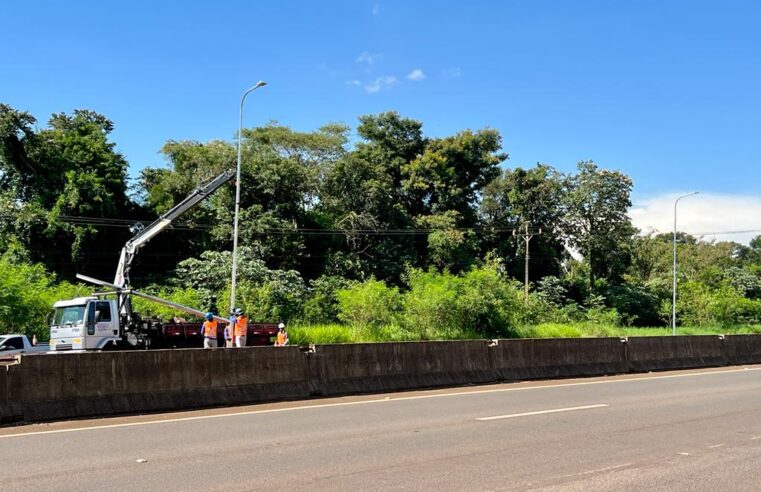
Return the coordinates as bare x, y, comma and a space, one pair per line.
14, 344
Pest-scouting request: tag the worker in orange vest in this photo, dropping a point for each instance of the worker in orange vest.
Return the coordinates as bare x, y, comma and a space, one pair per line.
209, 331
241, 328
282, 336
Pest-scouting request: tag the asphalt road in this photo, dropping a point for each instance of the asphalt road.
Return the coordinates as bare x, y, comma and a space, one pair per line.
688, 430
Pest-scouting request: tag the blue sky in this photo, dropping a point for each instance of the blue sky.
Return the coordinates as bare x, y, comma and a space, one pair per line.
667, 92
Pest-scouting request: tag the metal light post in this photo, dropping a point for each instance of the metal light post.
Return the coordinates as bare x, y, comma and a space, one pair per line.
673, 288
261, 83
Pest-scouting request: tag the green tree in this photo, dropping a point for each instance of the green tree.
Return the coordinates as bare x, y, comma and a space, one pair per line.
362, 193
27, 293
65, 178
281, 171
395, 180
451, 173
597, 204
527, 197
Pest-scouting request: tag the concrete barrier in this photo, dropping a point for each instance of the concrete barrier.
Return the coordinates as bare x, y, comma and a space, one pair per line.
742, 349
372, 367
109, 383
680, 352
519, 359
45, 387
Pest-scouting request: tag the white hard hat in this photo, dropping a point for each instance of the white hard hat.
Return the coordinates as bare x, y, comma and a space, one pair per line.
281, 326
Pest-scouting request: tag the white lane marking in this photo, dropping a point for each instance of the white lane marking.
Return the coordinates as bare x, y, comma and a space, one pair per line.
716, 446
541, 412
382, 400
601, 470
755, 438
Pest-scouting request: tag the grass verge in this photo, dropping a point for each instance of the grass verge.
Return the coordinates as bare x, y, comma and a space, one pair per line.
337, 333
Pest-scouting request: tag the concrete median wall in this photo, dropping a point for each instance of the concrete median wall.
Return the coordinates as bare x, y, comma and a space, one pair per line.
45, 387
681, 352
742, 349
520, 359
109, 383
372, 367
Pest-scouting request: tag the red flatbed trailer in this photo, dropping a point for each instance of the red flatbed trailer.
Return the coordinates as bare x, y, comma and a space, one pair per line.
184, 334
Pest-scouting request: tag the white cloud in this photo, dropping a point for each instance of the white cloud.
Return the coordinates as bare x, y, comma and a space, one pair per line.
416, 75
353, 82
451, 73
376, 9
367, 57
701, 215
380, 83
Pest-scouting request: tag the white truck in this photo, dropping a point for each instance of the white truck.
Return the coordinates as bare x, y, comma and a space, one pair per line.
84, 323
14, 344
105, 320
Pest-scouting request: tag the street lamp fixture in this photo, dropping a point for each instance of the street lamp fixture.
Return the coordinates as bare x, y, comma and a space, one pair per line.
673, 288
261, 83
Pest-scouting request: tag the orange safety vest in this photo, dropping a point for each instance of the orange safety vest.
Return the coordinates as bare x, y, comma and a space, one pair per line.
281, 337
241, 326
210, 329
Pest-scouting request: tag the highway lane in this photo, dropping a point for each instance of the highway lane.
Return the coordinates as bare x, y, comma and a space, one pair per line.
688, 430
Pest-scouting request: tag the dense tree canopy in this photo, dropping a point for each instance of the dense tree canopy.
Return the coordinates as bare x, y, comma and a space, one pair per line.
58, 184
393, 215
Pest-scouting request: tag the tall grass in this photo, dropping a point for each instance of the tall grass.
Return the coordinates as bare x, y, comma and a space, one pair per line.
337, 333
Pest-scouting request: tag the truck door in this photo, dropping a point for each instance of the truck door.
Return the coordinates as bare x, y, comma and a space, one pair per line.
99, 323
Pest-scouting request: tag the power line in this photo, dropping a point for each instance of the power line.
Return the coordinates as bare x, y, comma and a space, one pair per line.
108, 222
190, 226
724, 233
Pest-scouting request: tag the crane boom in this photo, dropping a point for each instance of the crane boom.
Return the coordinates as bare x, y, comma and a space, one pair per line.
130, 249
142, 237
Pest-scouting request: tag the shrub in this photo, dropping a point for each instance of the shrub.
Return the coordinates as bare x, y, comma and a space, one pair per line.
370, 302
322, 304
27, 294
636, 304
730, 308
430, 305
281, 297
442, 305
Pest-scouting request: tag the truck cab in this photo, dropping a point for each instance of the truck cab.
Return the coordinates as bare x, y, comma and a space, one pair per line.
84, 323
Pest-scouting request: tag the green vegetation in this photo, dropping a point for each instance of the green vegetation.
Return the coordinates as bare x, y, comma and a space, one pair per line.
392, 236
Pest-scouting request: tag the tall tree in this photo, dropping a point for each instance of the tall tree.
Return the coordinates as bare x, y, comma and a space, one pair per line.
397, 180
68, 177
598, 225
281, 171
363, 193
527, 197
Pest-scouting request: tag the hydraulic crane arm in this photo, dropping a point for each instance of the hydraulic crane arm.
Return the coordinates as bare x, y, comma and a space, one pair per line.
119, 291
143, 236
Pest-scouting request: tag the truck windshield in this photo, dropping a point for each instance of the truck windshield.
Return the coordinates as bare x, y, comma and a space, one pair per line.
71, 315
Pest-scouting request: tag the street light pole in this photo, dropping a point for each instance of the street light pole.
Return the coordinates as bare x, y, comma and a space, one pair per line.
673, 287
261, 83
